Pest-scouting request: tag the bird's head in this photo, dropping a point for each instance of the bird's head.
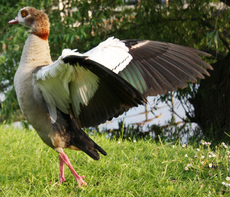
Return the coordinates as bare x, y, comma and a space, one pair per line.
37, 20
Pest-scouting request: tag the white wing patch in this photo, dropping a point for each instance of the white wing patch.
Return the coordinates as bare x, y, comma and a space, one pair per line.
53, 82
112, 53
63, 84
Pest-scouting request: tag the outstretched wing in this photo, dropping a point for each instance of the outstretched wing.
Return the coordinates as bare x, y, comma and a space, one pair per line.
113, 77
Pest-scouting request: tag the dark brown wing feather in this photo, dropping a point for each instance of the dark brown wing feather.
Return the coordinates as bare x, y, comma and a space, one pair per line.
158, 67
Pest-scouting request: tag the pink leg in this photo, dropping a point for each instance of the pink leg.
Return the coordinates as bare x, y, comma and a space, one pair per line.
64, 159
61, 175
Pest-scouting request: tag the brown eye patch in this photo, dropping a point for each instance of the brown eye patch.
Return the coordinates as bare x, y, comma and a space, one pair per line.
24, 13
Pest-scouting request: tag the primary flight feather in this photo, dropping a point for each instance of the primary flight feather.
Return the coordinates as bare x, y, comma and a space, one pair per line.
82, 90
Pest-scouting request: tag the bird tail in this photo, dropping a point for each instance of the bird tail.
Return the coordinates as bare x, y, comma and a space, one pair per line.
83, 142
75, 138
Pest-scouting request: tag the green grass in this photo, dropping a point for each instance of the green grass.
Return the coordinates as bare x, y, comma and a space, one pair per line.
29, 168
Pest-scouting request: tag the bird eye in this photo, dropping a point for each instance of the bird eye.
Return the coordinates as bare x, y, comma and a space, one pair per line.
24, 13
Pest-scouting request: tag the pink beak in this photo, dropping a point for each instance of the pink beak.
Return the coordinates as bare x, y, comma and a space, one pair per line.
14, 21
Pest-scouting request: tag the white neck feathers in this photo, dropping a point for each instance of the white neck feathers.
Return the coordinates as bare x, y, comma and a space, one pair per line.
36, 52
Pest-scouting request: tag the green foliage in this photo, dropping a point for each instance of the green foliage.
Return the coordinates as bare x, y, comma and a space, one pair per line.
142, 168
213, 37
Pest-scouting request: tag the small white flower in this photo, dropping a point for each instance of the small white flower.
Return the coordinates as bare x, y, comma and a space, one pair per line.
173, 146
184, 145
186, 168
202, 162
212, 155
189, 164
210, 165
202, 157
205, 143
224, 145
186, 155
227, 178
225, 184
134, 140
119, 142
198, 149
228, 152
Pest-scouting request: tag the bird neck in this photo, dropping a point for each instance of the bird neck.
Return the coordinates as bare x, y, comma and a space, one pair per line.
36, 52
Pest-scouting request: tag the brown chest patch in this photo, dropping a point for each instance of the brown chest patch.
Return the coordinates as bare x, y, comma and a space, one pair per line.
43, 36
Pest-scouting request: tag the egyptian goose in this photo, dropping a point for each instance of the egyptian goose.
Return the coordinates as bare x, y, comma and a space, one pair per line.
82, 90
